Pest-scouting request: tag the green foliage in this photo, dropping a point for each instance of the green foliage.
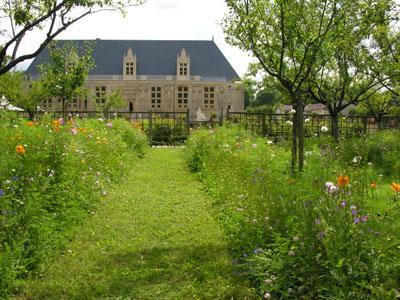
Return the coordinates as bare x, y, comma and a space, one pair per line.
308, 237
22, 92
51, 176
381, 150
160, 134
66, 71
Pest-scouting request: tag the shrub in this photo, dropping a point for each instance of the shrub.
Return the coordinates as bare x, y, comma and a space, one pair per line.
51, 176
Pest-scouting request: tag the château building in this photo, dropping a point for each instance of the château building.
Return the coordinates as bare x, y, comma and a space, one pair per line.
156, 76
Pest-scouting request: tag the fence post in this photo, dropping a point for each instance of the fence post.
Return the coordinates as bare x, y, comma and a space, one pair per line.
365, 121
150, 118
263, 128
187, 119
227, 114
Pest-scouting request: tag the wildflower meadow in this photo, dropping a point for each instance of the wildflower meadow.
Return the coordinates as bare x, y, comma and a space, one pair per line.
52, 174
328, 233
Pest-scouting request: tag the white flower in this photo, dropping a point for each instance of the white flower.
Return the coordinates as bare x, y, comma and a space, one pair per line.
295, 238
308, 153
268, 281
354, 160
324, 129
254, 145
292, 111
307, 120
370, 164
267, 296
270, 142
289, 123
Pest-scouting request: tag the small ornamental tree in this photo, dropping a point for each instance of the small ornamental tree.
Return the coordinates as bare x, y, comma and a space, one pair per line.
287, 37
66, 72
112, 101
358, 66
22, 93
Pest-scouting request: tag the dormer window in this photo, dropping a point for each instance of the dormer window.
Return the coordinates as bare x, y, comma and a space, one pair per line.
183, 69
130, 68
129, 65
183, 65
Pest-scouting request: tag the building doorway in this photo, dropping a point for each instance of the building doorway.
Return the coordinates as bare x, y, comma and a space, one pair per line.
130, 107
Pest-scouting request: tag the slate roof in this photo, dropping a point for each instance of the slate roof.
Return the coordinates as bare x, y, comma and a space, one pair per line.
154, 57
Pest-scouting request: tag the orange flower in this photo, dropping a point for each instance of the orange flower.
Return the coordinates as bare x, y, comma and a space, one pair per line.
373, 185
395, 187
292, 181
343, 180
56, 129
30, 124
20, 149
56, 123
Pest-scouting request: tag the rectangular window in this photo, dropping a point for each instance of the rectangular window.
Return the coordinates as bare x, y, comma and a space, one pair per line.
129, 68
100, 94
48, 103
183, 96
74, 102
156, 97
183, 69
209, 97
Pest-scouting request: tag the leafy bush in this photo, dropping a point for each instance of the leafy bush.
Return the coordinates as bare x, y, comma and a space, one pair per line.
161, 134
51, 176
330, 233
382, 149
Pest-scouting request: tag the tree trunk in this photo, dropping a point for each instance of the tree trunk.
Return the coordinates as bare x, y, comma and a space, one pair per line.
294, 144
31, 115
335, 126
64, 108
300, 131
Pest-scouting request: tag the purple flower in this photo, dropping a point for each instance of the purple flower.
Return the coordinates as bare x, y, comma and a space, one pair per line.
364, 219
353, 212
257, 250
356, 220
109, 125
321, 235
1, 193
317, 221
14, 178
343, 204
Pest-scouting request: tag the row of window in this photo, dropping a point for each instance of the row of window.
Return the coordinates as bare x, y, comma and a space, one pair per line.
156, 96
129, 69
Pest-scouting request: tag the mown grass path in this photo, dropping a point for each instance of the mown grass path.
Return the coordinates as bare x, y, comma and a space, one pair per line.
152, 238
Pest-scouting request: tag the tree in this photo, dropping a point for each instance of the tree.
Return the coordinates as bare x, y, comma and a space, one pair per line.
381, 104
287, 37
66, 71
51, 16
22, 92
113, 100
356, 68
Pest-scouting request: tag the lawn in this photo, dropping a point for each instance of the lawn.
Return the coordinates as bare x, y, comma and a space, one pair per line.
152, 237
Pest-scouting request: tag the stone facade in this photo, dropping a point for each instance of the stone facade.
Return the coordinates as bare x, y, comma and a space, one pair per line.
177, 92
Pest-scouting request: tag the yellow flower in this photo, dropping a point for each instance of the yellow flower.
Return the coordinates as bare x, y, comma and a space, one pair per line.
56, 123
20, 149
343, 180
395, 187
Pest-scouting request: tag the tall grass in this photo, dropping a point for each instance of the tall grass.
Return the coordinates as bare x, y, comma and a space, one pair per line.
331, 233
52, 174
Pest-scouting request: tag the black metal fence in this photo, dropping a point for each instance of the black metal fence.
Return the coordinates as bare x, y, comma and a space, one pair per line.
279, 126
172, 128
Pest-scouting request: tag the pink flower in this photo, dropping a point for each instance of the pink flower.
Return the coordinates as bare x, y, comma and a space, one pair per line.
61, 121
74, 131
109, 125
254, 145
331, 188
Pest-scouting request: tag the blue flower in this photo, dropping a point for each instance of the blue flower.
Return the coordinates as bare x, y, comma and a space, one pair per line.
1, 193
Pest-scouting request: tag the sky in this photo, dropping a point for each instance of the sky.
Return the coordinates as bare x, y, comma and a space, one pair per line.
157, 20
